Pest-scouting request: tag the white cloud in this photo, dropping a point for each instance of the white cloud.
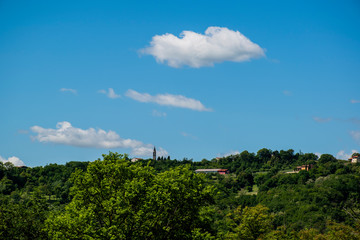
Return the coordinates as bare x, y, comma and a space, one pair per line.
156, 113
168, 100
185, 134
355, 101
345, 156
318, 154
232, 152
73, 91
355, 135
66, 134
110, 93
321, 120
218, 44
14, 160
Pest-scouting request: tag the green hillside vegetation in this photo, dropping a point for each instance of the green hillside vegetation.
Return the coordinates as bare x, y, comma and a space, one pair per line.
113, 198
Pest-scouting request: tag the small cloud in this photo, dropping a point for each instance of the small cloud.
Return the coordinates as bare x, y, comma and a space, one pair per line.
69, 90
217, 45
318, 154
287, 93
321, 120
184, 134
354, 101
21, 131
66, 134
168, 100
156, 113
14, 160
110, 93
345, 156
355, 121
230, 153
355, 135
274, 60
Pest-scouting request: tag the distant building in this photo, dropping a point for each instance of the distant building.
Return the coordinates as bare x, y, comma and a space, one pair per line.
306, 167
154, 153
219, 171
355, 159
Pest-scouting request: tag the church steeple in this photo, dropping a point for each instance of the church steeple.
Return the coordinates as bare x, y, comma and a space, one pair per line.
154, 153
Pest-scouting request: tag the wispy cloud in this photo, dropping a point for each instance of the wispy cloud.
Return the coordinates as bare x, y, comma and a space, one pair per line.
14, 160
321, 120
185, 134
287, 93
22, 131
231, 152
110, 93
73, 91
345, 156
168, 100
218, 44
355, 135
156, 113
355, 121
66, 134
354, 101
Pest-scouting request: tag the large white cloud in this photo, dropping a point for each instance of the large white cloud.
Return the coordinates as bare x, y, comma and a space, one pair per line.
66, 134
218, 44
168, 100
14, 160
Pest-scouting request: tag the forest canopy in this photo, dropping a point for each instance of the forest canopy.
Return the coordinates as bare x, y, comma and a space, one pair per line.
264, 196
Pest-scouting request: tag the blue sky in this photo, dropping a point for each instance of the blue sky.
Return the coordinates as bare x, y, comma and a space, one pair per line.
197, 79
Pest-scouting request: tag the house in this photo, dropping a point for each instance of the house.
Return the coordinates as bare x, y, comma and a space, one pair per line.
223, 171
219, 171
355, 159
306, 167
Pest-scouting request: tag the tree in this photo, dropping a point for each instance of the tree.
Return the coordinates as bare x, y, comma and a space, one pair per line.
23, 217
264, 155
245, 179
117, 200
324, 158
250, 223
6, 186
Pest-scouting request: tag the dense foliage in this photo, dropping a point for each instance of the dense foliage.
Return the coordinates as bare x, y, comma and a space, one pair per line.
114, 198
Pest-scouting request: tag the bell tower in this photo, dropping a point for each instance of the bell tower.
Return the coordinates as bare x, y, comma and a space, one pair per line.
154, 153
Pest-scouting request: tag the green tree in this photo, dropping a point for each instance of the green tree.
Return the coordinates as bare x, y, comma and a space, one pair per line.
6, 186
114, 199
324, 158
249, 223
23, 217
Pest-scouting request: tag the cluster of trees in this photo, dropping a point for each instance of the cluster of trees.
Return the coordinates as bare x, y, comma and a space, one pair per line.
263, 160
113, 198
